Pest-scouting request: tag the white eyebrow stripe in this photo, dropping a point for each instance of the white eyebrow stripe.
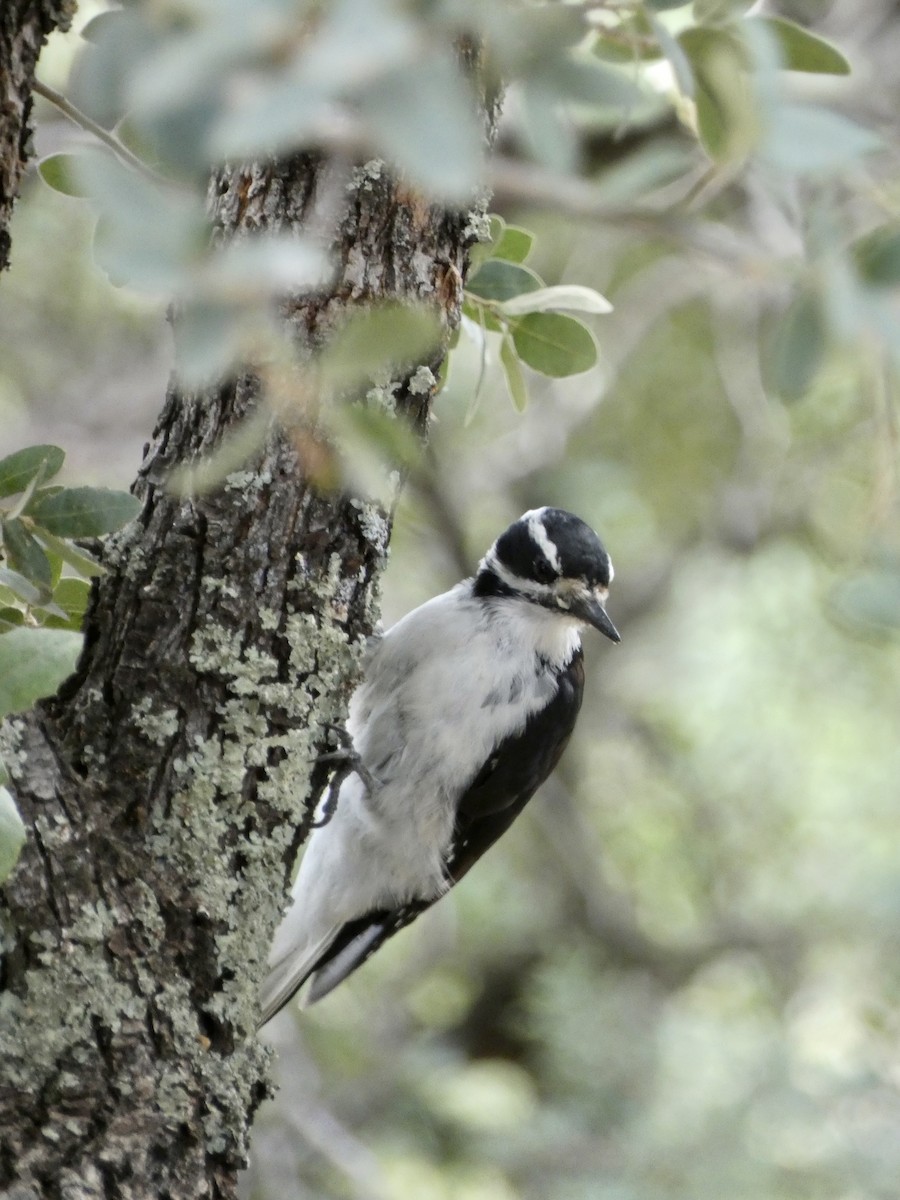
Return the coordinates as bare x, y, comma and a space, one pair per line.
526, 587
540, 536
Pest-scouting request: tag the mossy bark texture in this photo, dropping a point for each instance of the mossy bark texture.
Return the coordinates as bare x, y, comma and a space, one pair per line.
166, 787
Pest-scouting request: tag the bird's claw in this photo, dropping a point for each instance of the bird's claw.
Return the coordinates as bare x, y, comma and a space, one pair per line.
349, 762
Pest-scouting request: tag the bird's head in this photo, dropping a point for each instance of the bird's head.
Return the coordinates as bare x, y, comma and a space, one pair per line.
551, 558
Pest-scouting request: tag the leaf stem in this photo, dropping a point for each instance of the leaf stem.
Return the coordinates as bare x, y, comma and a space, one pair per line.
87, 123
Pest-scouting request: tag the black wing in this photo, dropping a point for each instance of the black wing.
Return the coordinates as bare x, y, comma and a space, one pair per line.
496, 796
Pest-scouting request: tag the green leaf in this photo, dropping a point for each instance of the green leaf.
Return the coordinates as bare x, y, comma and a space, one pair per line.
663, 5
61, 173
512, 371
513, 245
33, 663
72, 596
84, 512
877, 256
500, 280
554, 344
802, 50
795, 351
11, 617
25, 554
562, 295
728, 121
17, 470
67, 553
12, 834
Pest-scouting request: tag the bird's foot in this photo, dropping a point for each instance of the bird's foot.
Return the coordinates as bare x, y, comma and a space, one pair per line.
348, 762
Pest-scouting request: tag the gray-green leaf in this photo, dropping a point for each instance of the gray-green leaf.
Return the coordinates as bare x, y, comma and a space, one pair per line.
84, 512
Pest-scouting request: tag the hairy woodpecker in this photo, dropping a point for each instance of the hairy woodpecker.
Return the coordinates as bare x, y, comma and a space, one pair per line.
465, 707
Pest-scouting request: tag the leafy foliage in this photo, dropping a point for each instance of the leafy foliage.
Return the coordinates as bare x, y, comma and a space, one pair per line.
36, 527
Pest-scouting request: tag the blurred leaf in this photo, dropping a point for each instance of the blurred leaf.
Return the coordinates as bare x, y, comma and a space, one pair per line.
67, 553
795, 350
11, 618
120, 43
554, 344
424, 117
500, 280
12, 834
235, 449
675, 56
267, 263
84, 512
802, 50
512, 371
381, 340
513, 245
803, 138
148, 236
573, 79
637, 175
563, 295
17, 470
33, 663
25, 554
877, 256
275, 115
870, 601
61, 173
631, 39
21, 587
727, 111
711, 12
664, 5
550, 136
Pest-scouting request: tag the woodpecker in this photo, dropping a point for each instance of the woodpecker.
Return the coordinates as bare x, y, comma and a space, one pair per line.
465, 707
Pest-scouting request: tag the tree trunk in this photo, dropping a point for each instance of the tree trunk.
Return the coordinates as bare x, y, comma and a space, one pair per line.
166, 786
24, 27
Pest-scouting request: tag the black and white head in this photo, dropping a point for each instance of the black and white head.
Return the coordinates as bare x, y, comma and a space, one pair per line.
551, 558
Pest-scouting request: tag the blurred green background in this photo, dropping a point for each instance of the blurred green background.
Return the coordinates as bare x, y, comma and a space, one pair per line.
678, 975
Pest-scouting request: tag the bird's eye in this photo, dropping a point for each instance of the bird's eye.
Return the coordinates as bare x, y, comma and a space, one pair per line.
543, 572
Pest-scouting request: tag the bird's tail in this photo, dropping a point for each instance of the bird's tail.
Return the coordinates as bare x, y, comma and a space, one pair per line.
331, 959
288, 974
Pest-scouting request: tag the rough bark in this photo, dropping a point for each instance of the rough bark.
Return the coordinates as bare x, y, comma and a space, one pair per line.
24, 27
165, 787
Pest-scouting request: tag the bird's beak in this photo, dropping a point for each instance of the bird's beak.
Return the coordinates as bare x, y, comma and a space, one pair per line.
590, 609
